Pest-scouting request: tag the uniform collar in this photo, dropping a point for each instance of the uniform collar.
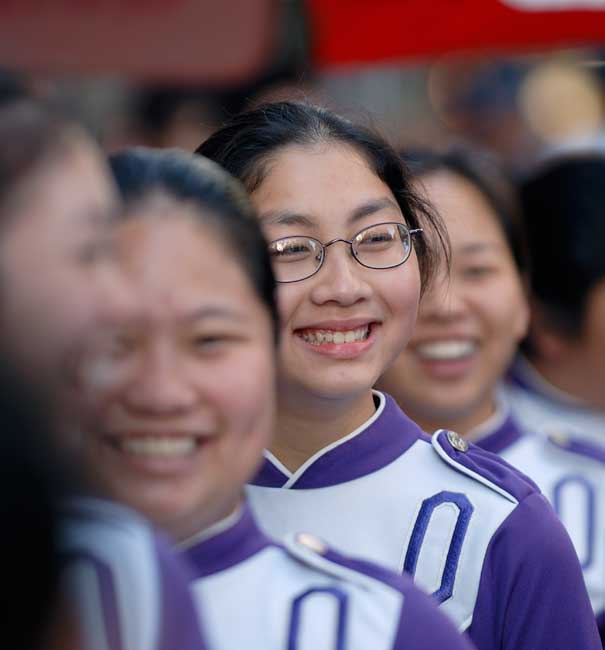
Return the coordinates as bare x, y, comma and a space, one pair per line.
225, 544
498, 432
375, 444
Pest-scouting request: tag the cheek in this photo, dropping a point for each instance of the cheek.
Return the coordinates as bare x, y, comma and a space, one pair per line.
243, 390
402, 294
504, 305
289, 296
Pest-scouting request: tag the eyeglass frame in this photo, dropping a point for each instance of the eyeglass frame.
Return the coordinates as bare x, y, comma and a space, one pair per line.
323, 247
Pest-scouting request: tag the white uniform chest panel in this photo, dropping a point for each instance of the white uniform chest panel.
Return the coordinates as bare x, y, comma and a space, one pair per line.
378, 517
123, 558
575, 486
276, 602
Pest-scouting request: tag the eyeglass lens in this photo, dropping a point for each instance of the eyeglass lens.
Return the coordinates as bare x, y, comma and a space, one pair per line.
381, 246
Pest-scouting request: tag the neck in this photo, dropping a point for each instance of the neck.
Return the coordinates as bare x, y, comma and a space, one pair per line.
462, 422
572, 379
305, 427
192, 527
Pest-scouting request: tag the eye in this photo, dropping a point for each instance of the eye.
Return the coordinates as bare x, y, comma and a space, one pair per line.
478, 271
376, 238
293, 249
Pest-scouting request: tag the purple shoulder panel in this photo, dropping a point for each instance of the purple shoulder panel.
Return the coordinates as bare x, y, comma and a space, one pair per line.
490, 467
179, 626
421, 626
601, 626
532, 593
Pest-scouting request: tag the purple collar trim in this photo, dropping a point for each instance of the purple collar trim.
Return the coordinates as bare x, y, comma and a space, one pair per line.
502, 437
386, 438
239, 542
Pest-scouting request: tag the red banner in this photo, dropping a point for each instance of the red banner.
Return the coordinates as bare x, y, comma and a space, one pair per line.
347, 32
211, 41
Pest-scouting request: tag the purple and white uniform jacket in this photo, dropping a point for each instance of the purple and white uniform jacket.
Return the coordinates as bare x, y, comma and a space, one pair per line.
474, 532
542, 408
571, 474
300, 595
129, 589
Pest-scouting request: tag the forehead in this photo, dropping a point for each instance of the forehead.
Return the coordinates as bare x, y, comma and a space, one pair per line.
466, 212
318, 179
67, 194
177, 262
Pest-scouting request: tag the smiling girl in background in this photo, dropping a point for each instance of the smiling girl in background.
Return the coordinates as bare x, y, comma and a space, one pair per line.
353, 247
468, 330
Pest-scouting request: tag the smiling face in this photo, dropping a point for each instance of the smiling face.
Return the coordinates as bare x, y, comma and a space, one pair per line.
470, 324
344, 325
184, 429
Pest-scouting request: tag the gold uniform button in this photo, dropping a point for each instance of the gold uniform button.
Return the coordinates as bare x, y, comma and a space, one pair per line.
312, 543
559, 438
456, 441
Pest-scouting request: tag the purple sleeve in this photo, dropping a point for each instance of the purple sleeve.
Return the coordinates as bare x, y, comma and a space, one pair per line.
540, 600
421, 625
180, 626
601, 626
424, 627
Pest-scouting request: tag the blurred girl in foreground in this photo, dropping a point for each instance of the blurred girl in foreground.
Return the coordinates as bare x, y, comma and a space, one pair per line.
60, 286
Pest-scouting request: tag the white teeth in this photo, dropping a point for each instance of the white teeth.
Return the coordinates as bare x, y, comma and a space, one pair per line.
446, 350
154, 446
317, 337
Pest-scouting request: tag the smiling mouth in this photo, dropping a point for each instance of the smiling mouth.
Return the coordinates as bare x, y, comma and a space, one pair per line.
159, 447
446, 350
336, 337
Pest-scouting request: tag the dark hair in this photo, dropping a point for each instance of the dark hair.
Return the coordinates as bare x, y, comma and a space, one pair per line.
30, 484
140, 172
30, 132
563, 203
244, 147
490, 178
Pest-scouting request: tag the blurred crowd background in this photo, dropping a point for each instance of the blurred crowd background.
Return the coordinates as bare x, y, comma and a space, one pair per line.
521, 105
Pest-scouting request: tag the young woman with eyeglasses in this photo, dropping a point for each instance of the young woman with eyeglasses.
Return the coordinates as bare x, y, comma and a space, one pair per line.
347, 464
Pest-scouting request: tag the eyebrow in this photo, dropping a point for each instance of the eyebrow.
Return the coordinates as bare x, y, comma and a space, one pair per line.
286, 218
214, 311
289, 218
371, 207
478, 247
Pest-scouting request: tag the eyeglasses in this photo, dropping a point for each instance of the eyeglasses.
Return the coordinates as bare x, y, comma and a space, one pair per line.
381, 246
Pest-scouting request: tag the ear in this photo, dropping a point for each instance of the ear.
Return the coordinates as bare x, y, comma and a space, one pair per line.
548, 344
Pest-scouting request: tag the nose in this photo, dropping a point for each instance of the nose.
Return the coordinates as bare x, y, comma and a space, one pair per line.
159, 386
341, 279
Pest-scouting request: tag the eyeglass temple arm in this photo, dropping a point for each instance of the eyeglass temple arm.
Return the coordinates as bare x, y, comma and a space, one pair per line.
416, 231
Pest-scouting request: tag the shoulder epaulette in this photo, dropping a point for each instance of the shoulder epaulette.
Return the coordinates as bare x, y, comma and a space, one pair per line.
313, 552
482, 466
573, 445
